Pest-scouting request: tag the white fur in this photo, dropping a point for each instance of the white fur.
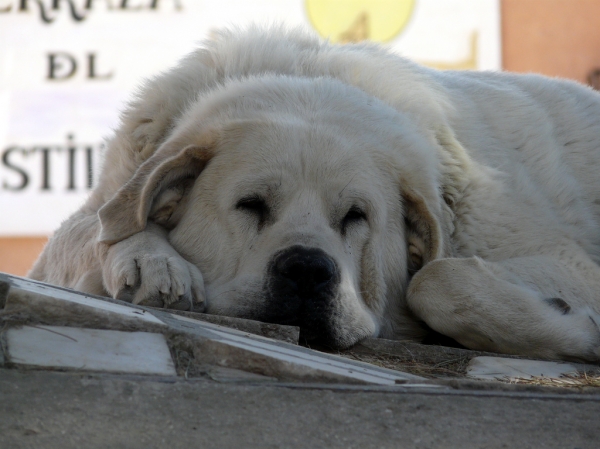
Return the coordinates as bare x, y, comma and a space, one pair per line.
485, 184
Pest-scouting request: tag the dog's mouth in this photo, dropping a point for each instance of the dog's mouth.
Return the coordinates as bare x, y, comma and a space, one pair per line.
302, 287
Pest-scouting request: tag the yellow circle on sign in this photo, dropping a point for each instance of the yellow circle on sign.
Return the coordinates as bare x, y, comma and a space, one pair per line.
358, 20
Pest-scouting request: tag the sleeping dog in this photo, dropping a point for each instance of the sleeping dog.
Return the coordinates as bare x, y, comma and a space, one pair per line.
346, 190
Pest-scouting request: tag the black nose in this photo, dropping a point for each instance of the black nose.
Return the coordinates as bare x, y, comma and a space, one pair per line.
305, 270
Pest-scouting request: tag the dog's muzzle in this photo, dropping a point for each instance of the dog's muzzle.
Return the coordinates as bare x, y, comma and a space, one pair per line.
302, 284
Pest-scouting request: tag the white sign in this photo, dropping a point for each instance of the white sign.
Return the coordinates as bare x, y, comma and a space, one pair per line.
67, 67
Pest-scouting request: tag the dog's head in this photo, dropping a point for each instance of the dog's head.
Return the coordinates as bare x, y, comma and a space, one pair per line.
302, 202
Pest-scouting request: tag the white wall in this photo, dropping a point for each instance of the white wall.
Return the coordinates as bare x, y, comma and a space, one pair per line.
68, 66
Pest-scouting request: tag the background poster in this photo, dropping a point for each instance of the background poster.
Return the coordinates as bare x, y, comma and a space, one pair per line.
67, 67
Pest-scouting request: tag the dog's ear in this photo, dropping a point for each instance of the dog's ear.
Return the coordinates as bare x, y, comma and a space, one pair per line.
156, 190
431, 193
424, 229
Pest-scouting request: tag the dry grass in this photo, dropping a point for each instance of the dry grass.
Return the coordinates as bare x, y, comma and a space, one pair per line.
566, 381
455, 367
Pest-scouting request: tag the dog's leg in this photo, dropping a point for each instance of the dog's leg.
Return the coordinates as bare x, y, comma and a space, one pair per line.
534, 306
70, 258
145, 269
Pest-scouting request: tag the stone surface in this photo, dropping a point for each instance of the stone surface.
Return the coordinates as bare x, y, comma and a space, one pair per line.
289, 334
432, 361
227, 375
217, 345
236, 389
198, 343
430, 354
491, 368
49, 304
68, 410
424, 360
4, 287
195, 342
89, 350
40, 302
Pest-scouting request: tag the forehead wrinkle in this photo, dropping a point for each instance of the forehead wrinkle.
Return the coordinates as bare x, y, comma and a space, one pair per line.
296, 155
366, 189
260, 184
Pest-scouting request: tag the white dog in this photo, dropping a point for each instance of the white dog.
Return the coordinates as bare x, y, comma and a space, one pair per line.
346, 190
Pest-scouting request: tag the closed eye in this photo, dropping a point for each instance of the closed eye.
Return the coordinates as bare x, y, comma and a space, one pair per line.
354, 216
254, 205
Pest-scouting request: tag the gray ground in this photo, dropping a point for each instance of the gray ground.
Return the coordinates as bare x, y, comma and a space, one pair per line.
234, 389
63, 410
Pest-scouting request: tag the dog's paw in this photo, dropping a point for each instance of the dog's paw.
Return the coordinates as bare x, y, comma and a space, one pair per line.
485, 307
576, 336
146, 270
160, 281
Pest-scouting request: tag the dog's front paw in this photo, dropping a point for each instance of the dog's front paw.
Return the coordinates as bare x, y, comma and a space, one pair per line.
144, 269
160, 281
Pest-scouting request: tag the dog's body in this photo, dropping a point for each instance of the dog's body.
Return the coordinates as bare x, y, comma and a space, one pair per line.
353, 193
